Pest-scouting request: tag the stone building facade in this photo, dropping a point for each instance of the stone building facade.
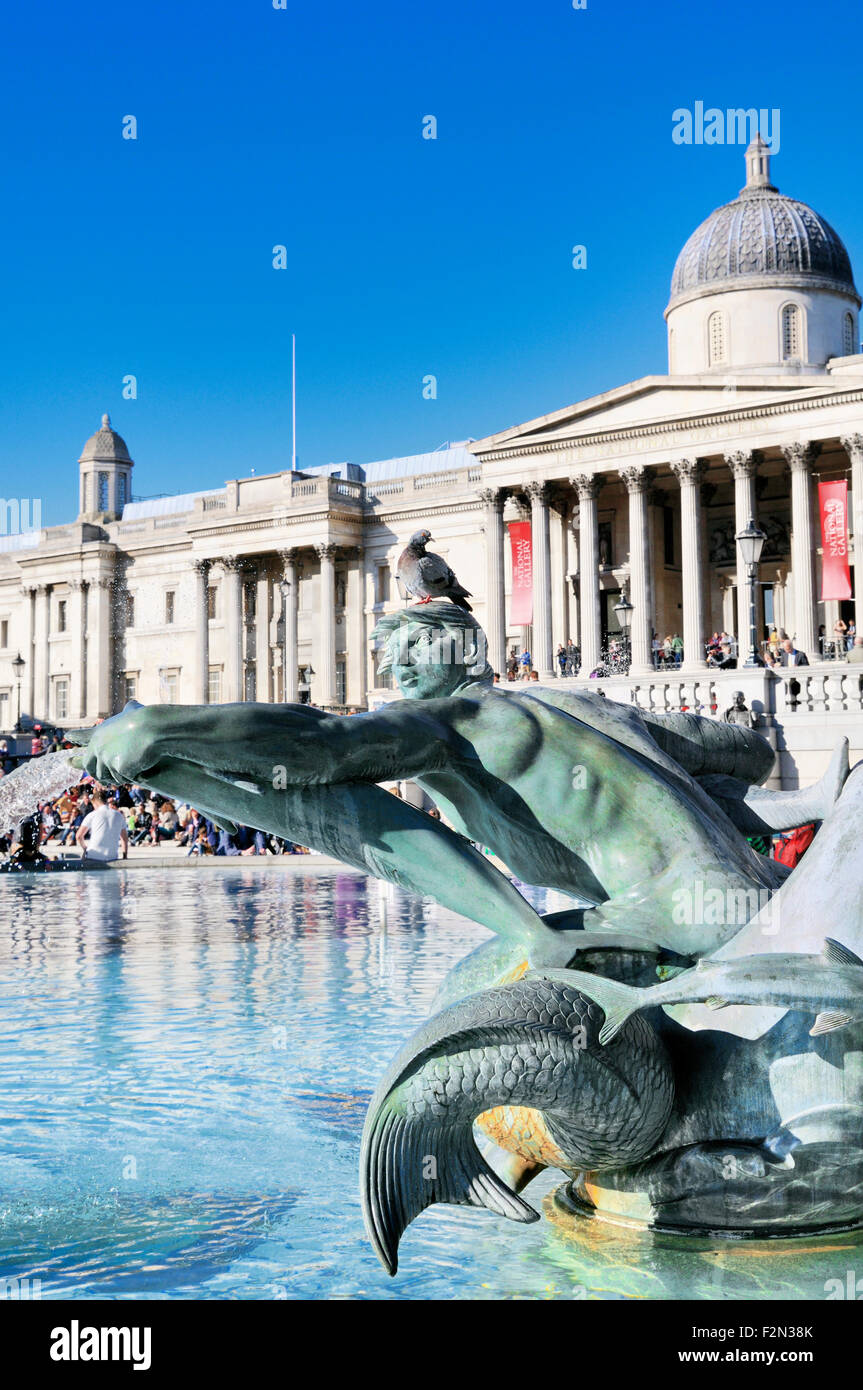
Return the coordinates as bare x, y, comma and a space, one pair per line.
268, 587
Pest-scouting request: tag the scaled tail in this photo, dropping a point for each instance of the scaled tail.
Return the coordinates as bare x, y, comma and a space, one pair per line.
617, 1001
409, 1162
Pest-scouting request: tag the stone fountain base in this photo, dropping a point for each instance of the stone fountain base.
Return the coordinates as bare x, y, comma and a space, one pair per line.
729, 1191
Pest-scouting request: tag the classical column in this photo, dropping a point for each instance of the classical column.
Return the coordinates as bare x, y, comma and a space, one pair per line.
290, 652
744, 467
28, 686
77, 614
232, 568
263, 615
689, 473
573, 626
327, 674
636, 480
495, 615
543, 656
588, 487
853, 446
355, 631
41, 652
202, 631
800, 458
100, 647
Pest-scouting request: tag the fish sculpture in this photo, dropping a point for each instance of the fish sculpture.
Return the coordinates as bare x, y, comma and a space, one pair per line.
829, 985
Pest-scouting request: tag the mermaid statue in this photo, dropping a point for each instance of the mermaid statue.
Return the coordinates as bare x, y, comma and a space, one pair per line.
683, 1043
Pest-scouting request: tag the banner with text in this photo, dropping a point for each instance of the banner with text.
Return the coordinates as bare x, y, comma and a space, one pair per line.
833, 505
521, 604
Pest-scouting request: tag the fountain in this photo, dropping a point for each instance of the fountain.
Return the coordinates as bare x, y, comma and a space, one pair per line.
695, 1119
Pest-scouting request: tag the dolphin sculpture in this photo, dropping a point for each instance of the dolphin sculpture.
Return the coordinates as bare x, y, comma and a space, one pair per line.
829, 985
529, 1043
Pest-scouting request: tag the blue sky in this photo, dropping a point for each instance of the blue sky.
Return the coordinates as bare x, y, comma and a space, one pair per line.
407, 257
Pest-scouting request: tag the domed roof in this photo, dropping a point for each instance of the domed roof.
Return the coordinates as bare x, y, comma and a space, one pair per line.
761, 237
105, 446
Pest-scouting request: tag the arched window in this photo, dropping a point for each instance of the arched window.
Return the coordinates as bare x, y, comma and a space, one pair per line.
716, 339
849, 346
790, 333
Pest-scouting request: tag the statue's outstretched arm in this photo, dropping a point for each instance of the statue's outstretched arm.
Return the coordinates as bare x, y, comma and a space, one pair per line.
291, 745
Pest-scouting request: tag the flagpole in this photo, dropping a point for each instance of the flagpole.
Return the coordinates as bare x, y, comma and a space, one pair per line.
293, 402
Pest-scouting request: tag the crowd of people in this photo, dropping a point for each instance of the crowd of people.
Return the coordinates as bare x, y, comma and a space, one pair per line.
667, 653
103, 821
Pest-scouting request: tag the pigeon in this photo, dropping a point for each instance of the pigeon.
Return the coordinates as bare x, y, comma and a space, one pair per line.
426, 577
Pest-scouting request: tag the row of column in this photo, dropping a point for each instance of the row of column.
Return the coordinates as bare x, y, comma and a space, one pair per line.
638, 480
89, 626
233, 569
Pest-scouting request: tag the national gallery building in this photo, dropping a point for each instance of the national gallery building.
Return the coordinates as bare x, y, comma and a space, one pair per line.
268, 587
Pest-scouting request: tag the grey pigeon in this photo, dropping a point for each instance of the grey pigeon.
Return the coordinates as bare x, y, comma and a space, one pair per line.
426, 577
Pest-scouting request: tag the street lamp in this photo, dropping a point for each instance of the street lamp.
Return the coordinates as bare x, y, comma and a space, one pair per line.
306, 673
624, 610
285, 589
18, 666
751, 542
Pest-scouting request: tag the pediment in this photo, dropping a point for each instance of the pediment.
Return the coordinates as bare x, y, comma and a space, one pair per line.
652, 399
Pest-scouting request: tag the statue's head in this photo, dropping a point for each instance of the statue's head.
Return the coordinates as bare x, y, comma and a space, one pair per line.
433, 650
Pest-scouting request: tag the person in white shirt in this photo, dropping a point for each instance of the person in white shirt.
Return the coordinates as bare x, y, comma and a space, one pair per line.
106, 827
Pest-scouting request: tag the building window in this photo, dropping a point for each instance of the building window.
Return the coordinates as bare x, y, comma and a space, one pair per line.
849, 346
103, 493
214, 685
250, 601
169, 606
121, 491
169, 682
250, 684
4, 709
61, 699
4, 633
130, 688
382, 584
61, 615
130, 610
790, 333
341, 681
211, 601
716, 338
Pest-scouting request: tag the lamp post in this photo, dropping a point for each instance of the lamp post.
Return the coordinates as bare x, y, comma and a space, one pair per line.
306, 673
751, 541
624, 610
285, 590
18, 666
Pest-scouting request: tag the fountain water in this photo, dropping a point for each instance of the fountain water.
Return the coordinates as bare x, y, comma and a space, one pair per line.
41, 779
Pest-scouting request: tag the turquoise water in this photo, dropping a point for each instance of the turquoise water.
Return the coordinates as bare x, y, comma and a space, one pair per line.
185, 1063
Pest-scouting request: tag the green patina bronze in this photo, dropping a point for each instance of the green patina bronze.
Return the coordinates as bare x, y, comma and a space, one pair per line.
630, 814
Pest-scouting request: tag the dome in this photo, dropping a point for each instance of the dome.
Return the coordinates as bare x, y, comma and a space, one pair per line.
761, 238
105, 446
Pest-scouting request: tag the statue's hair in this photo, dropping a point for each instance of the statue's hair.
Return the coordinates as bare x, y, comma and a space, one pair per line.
444, 615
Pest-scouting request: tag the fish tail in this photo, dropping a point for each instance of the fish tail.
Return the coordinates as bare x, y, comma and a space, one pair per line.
409, 1162
617, 1001
485, 1051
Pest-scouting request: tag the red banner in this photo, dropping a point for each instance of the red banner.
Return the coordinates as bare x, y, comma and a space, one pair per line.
833, 505
521, 603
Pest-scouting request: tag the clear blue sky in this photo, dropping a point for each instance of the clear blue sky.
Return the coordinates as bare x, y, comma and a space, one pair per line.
406, 256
